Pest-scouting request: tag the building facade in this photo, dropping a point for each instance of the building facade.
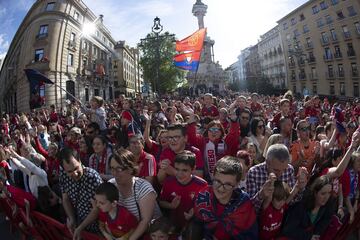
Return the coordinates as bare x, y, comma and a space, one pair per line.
128, 78
272, 58
321, 42
252, 68
52, 39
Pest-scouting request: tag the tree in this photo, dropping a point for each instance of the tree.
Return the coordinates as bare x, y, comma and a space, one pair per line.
169, 75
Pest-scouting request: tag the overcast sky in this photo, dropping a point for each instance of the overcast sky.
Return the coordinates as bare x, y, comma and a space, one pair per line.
233, 24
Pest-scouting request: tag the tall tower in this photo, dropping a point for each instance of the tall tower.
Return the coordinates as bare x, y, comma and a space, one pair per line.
199, 11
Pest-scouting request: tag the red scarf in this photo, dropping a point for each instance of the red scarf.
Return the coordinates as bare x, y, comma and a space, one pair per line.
99, 164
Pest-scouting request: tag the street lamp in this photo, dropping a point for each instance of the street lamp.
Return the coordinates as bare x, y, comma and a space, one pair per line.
156, 29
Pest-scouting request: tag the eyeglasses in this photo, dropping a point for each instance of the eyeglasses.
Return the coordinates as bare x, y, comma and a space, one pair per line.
214, 129
219, 184
304, 129
173, 138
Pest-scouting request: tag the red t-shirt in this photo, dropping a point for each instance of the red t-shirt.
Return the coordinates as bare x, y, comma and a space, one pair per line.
147, 165
172, 188
209, 112
255, 107
169, 154
270, 221
122, 225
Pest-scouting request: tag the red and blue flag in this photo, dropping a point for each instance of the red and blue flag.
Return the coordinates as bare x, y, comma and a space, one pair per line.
188, 61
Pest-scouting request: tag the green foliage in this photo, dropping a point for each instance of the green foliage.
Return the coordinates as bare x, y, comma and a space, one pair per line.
260, 84
169, 76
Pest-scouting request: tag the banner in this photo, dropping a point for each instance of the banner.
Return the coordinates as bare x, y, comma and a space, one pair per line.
192, 43
188, 61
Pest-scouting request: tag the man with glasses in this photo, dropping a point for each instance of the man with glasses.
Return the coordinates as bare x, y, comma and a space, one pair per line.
223, 210
277, 160
177, 144
304, 151
78, 185
245, 117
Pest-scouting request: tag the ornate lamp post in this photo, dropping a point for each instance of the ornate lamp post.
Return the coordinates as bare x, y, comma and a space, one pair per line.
156, 29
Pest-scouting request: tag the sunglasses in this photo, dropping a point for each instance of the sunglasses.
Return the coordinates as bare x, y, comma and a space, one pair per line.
214, 129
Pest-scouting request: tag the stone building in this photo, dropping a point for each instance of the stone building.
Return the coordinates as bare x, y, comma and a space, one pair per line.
65, 41
128, 77
272, 58
321, 40
210, 77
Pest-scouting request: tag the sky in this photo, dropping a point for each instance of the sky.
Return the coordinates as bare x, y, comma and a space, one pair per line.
233, 24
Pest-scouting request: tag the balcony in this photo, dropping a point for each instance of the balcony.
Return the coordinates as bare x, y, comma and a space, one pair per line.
354, 73
72, 45
325, 41
84, 51
328, 57
42, 65
351, 53
340, 74
313, 76
330, 75
41, 36
347, 35
312, 60
338, 55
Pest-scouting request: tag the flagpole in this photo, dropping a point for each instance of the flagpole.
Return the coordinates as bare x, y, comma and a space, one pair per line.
78, 100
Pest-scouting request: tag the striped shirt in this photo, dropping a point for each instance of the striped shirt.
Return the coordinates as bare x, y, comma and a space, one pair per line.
141, 188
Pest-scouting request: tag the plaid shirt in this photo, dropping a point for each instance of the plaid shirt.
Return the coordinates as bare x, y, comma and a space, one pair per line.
257, 176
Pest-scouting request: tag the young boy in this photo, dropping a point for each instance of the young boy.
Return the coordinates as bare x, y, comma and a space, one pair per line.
115, 221
274, 207
97, 112
178, 191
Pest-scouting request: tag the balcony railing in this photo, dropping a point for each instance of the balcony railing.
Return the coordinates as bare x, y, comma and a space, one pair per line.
338, 55
41, 35
325, 41
330, 75
340, 74
328, 57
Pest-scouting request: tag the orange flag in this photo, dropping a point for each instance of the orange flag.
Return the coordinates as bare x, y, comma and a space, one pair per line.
192, 43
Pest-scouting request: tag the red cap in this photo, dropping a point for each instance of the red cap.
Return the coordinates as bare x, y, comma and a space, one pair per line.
126, 115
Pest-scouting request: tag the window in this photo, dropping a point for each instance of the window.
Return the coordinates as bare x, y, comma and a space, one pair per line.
50, 6
72, 37
352, 11
85, 45
293, 21
328, 19
296, 33
334, 2
342, 89
356, 89
357, 27
346, 31
309, 42
76, 16
302, 17
96, 92
306, 28
39, 54
104, 94
314, 89
323, 5
285, 26
340, 71
320, 22
70, 87
313, 73
340, 15
333, 34
70, 60
43, 31
330, 73
332, 90
351, 52
97, 33
328, 54
354, 70
86, 95
294, 88
337, 52
315, 9
110, 93
311, 57
324, 37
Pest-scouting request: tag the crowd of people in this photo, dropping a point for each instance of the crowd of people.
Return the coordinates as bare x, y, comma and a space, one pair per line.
243, 166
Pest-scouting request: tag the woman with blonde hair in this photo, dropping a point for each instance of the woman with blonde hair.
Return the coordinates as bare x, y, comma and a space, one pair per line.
273, 139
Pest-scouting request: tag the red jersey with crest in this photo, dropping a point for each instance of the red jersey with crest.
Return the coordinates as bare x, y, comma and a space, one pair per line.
172, 188
270, 221
123, 224
170, 154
